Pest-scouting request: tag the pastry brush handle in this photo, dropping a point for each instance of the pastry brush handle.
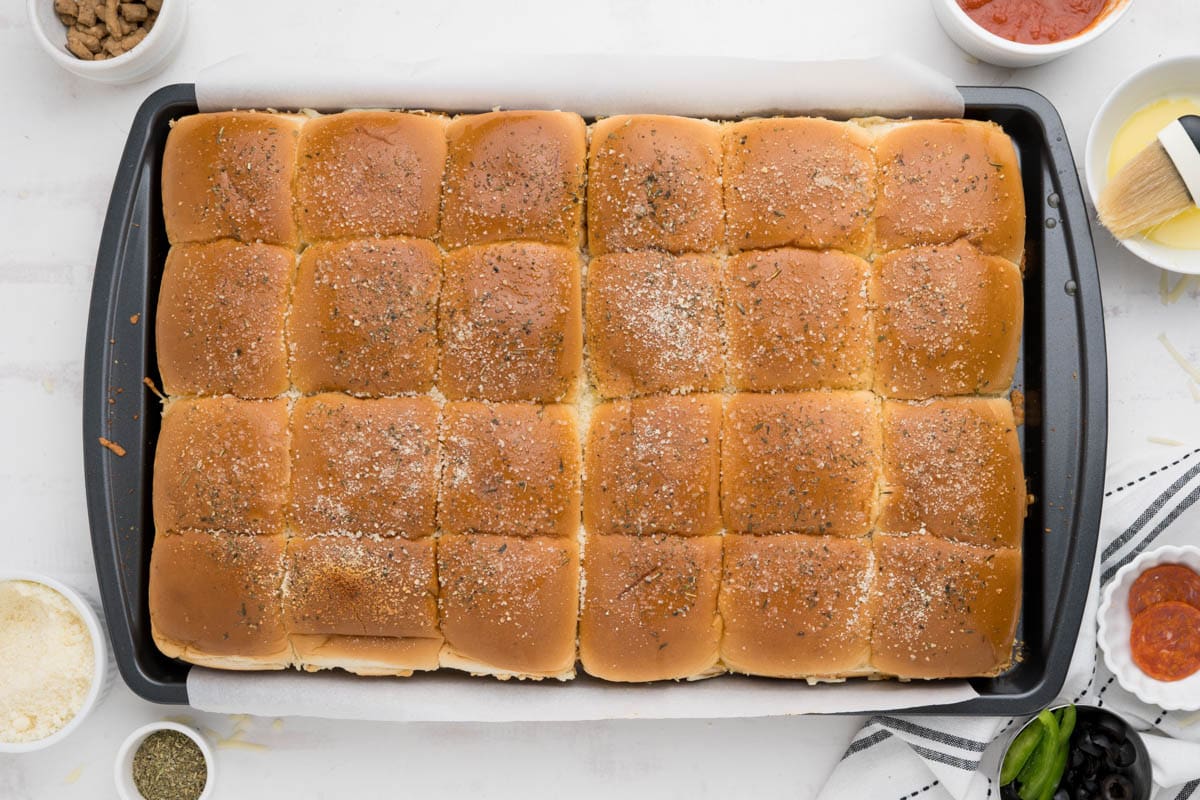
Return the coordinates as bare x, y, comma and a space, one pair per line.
1181, 140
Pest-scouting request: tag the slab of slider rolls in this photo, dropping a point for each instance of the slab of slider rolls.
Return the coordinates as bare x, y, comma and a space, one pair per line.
753, 417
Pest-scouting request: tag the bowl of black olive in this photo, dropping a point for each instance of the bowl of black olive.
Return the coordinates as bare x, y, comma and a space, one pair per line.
1075, 753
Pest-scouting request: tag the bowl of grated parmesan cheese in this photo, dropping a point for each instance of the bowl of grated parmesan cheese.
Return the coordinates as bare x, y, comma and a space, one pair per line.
53, 661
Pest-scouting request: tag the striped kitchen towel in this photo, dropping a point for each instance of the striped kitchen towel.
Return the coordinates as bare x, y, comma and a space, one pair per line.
952, 758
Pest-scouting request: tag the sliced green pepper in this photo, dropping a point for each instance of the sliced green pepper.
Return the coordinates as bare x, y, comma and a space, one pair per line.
1066, 724
1019, 752
1037, 770
1056, 772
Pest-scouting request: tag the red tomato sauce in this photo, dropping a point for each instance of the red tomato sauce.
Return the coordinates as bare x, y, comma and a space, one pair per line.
1034, 21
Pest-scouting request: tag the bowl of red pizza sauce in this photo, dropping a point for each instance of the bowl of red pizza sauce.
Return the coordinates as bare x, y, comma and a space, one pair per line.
1149, 630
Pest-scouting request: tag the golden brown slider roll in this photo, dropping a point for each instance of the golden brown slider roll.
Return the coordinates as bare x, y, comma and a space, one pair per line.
220, 321
952, 468
800, 463
798, 319
222, 465
366, 605
215, 599
229, 175
948, 320
508, 604
364, 317
802, 182
510, 323
654, 323
364, 466
942, 180
370, 173
650, 607
654, 182
797, 606
510, 468
653, 466
944, 610
515, 175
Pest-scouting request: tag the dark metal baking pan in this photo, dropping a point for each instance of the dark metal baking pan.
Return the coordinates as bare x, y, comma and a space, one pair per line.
1061, 373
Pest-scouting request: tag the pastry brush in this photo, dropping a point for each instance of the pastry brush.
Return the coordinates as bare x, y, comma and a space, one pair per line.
1160, 182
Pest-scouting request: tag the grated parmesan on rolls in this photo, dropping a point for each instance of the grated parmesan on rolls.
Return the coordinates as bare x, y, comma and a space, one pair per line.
661, 398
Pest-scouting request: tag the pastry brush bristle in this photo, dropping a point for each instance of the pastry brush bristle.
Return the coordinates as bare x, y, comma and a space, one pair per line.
1146, 191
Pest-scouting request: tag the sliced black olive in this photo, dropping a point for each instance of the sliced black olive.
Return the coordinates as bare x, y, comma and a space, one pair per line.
1062, 794
1009, 792
1077, 758
1081, 793
1092, 787
1088, 745
1111, 726
1117, 787
1102, 740
1126, 754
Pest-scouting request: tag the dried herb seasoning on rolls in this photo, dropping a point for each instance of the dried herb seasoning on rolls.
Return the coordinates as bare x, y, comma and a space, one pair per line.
787, 448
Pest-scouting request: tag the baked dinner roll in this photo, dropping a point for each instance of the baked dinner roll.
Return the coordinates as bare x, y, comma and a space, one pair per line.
364, 317
370, 173
510, 323
364, 466
508, 604
222, 465
944, 609
948, 321
229, 175
952, 468
800, 463
797, 606
798, 319
653, 465
800, 182
364, 604
215, 599
650, 607
654, 323
515, 175
942, 180
510, 468
220, 321
654, 182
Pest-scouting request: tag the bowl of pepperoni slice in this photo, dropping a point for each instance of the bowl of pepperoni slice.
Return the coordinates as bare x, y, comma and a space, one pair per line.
1150, 627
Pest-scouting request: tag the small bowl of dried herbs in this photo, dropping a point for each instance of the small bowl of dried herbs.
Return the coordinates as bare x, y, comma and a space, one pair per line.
164, 761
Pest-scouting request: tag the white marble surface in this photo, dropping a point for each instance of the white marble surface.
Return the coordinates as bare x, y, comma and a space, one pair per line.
58, 152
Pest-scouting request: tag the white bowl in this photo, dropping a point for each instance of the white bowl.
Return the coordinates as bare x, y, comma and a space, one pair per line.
1172, 76
987, 46
1115, 624
123, 769
144, 60
101, 676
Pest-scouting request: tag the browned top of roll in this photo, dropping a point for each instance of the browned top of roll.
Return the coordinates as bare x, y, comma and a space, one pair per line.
800, 463
942, 180
948, 321
796, 606
229, 175
370, 173
220, 321
364, 317
510, 468
654, 323
361, 586
798, 319
508, 603
654, 182
802, 182
218, 594
653, 466
945, 610
222, 464
364, 466
511, 323
515, 175
953, 469
650, 607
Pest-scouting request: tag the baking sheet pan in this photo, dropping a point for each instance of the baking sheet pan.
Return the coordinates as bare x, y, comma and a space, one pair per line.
1061, 373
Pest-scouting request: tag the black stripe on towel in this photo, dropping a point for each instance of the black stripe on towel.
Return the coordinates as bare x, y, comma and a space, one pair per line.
1188, 790
941, 737
1183, 506
1147, 515
965, 764
858, 745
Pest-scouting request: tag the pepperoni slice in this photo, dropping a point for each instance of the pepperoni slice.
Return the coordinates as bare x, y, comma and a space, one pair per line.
1162, 584
1165, 641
